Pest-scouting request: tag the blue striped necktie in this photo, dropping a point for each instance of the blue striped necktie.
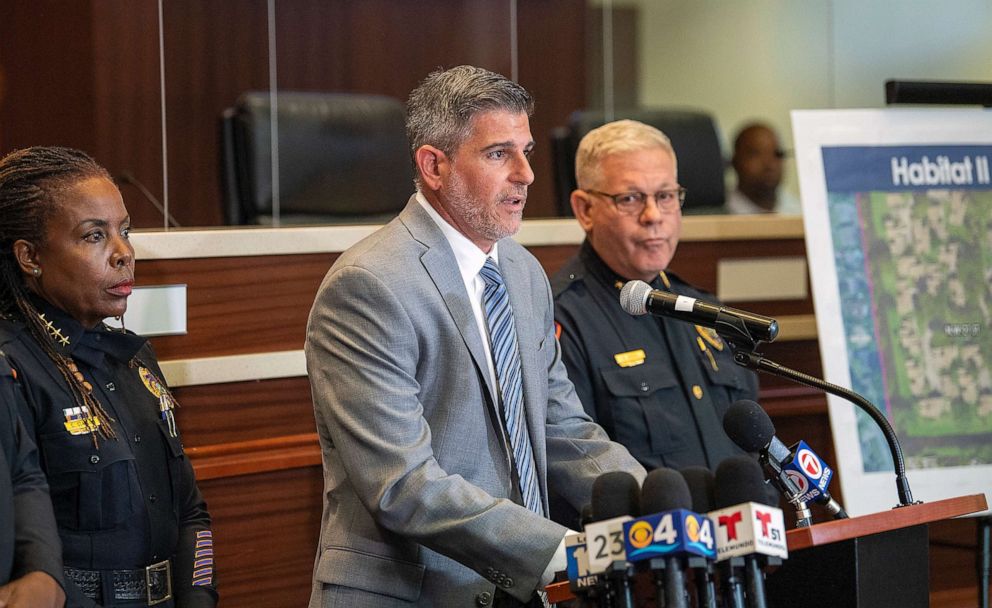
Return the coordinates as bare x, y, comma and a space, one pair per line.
506, 359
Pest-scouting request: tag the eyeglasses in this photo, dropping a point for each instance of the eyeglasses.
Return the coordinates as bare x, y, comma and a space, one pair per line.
633, 203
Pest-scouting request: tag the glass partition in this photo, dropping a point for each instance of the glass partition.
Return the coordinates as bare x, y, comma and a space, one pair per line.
143, 84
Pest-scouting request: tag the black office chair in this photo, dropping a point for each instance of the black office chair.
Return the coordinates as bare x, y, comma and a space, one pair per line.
342, 158
694, 137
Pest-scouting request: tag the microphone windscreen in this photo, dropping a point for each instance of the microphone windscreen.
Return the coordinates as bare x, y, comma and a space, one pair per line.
615, 494
664, 490
701, 486
740, 479
748, 425
585, 515
634, 297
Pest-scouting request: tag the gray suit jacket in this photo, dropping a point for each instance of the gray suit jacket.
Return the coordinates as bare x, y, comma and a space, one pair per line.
416, 472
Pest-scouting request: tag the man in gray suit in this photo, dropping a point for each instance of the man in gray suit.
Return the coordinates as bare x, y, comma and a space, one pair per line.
443, 408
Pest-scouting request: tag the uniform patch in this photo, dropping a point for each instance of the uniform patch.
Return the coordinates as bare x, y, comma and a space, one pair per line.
557, 330
710, 336
631, 358
166, 402
151, 382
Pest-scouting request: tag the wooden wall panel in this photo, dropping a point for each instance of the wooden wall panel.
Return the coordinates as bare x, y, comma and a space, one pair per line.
47, 86
697, 261
216, 414
127, 135
261, 303
266, 529
239, 305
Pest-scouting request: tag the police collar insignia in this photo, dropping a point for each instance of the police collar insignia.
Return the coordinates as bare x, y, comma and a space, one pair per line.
57, 336
664, 279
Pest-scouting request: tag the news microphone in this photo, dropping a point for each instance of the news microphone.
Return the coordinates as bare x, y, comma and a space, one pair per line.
585, 515
736, 326
701, 485
581, 582
746, 528
797, 471
615, 499
670, 536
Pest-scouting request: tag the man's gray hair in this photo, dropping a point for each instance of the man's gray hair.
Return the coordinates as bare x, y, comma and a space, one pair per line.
615, 138
440, 110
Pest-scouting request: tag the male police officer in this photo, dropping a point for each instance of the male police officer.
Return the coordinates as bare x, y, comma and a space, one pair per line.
658, 386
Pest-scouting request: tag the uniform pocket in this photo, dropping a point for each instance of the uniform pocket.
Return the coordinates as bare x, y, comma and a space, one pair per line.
734, 380
91, 488
174, 443
638, 396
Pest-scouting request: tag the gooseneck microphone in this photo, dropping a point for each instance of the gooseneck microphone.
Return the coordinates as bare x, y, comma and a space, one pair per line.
796, 471
735, 326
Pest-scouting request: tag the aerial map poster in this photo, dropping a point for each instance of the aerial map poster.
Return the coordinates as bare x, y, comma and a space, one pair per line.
897, 208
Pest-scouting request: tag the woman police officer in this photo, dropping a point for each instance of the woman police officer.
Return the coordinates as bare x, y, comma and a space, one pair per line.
134, 527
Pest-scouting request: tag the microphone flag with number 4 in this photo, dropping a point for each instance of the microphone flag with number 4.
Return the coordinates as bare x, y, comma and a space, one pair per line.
679, 532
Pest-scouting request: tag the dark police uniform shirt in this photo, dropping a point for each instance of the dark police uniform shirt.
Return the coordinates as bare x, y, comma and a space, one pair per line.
658, 386
29, 540
131, 501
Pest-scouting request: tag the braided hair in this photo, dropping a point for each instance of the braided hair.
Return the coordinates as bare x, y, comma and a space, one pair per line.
30, 183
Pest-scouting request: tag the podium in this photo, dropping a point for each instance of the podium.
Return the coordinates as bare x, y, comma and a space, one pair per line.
873, 561
877, 561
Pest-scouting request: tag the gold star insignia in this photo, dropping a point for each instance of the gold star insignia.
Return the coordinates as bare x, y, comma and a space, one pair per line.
53, 331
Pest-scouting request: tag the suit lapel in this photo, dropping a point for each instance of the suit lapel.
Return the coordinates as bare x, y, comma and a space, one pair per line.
440, 264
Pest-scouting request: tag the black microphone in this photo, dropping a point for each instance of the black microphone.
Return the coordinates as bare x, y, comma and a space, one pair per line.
740, 481
637, 298
585, 515
701, 485
615, 494
666, 490
616, 497
796, 471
